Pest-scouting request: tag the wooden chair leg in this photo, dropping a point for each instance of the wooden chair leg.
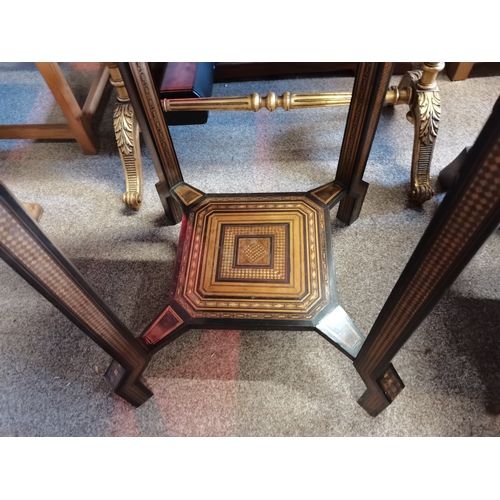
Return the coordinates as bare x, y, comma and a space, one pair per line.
459, 70
368, 97
31, 254
77, 122
469, 213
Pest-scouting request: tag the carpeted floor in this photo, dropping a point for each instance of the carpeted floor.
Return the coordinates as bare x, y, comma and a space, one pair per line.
241, 383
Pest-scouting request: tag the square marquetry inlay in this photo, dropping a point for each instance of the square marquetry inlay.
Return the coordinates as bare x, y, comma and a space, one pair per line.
254, 257
253, 251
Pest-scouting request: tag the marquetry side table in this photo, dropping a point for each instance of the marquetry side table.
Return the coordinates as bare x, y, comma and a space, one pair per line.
259, 260
255, 261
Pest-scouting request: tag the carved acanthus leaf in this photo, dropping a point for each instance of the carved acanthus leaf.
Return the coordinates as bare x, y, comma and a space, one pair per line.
123, 125
429, 104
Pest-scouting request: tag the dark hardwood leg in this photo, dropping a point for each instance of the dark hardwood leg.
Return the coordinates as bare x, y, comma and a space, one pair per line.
142, 93
469, 213
381, 391
31, 254
449, 173
368, 97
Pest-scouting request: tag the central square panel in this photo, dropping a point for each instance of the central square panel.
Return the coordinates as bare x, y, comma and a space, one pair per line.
254, 252
253, 257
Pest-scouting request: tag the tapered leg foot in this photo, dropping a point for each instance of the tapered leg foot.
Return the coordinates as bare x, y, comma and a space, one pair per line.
381, 392
373, 401
129, 387
350, 206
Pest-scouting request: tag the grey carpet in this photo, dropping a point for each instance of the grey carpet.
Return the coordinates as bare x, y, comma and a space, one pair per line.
240, 383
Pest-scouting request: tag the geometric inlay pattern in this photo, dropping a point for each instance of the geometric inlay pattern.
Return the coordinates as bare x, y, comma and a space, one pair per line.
254, 257
252, 252
168, 321
187, 194
21, 245
328, 192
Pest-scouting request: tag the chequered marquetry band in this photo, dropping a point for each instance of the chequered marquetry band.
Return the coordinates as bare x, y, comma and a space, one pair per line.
18, 242
480, 199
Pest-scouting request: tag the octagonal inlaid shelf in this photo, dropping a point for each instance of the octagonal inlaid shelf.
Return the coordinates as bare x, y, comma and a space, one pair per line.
258, 261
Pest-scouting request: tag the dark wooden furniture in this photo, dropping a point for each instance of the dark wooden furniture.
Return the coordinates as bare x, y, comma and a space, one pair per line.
469, 213
176, 80
258, 261
255, 261
244, 71
264, 261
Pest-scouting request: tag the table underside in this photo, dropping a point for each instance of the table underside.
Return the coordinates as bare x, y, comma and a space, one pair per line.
255, 262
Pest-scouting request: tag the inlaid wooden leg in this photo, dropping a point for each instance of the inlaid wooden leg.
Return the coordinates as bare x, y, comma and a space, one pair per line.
468, 214
141, 90
368, 97
31, 254
127, 138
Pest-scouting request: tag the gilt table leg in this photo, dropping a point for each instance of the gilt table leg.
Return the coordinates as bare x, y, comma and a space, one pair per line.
127, 138
468, 214
425, 113
32, 255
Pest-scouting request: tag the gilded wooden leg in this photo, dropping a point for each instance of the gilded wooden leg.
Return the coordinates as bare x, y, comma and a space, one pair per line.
127, 138
31, 254
466, 217
424, 100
